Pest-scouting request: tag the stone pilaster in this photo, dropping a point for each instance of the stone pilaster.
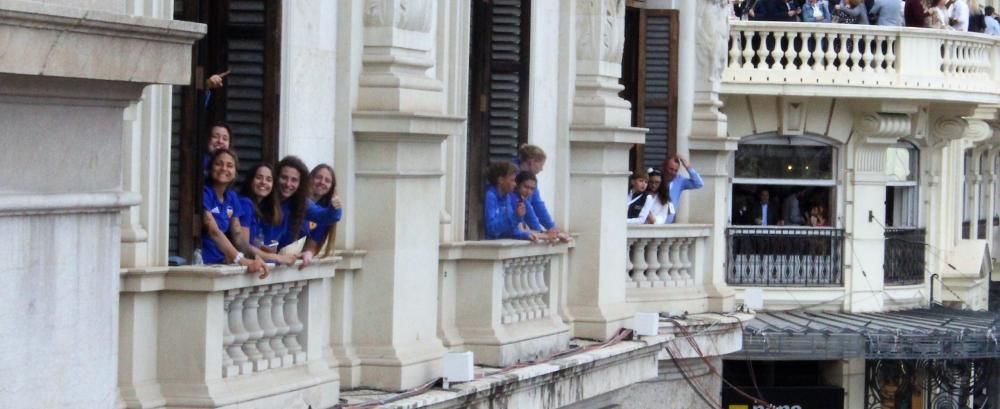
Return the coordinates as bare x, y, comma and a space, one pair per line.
709, 147
600, 138
65, 82
865, 207
398, 128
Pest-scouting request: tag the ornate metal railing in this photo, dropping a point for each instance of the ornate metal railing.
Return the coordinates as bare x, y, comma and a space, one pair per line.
785, 256
904, 256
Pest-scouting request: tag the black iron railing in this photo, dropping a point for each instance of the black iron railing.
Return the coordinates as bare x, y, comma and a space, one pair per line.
904, 256
785, 256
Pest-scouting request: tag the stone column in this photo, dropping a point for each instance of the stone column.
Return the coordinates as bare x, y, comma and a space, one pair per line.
399, 127
65, 81
600, 138
943, 194
709, 146
864, 246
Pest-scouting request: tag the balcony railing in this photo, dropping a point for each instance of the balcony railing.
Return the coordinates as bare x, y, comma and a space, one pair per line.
500, 299
814, 54
904, 256
785, 256
666, 265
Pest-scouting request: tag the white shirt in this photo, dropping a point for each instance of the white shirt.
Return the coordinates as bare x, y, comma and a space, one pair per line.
959, 10
660, 211
763, 214
992, 26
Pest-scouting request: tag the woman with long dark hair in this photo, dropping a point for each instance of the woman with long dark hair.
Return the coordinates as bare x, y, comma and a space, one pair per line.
658, 208
220, 217
296, 208
260, 205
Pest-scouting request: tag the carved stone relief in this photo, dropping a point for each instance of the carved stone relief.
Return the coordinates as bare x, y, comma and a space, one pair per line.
600, 30
412, 15
712, 38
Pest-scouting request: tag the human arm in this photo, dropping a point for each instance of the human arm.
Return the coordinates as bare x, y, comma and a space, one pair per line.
644, 213
538, 205
323, 215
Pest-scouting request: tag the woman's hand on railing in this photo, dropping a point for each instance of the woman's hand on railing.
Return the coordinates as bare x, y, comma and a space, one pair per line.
255, 265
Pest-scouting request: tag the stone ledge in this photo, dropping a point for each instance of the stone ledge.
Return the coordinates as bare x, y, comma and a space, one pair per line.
213, 278
17, 204
50, 40
556, 383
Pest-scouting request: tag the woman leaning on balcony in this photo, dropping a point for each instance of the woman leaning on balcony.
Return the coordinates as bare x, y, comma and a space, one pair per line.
501, 209
855, 12
937, 16
659, 209
816, 11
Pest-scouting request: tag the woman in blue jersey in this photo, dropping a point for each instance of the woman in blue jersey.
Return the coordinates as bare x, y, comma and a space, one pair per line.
297, 209
259, 205
324, 194
501, 209
223, 232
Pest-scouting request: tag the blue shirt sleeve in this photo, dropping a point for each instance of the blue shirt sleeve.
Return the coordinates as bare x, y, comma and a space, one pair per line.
322, 215
694, 182
530, 217
491, 215
541, 212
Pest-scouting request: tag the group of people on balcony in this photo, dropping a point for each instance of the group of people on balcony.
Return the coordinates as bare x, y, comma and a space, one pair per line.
653, 195
767, 212
281, 214
961, 15
513, 207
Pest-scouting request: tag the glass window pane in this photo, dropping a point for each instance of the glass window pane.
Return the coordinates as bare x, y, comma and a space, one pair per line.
784, 162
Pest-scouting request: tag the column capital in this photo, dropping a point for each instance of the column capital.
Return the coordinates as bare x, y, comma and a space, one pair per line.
946, 129
600, 41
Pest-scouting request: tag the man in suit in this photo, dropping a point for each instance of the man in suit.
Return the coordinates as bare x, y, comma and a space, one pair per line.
765, 213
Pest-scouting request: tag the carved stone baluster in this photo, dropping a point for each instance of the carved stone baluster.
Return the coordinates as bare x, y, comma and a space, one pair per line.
528, 296
639, 262
735, 49
879, 54
240, 335
748, 51
804, 53
855, 53
663, 255
280, 325
947, 60
652, 265
779, 51
508, 292
253, 329
520, 309
675, 262
686, 246
533, 268
842, 55
294, 322
817, 54
543, 288
264, 316
791, 52
867, 57
890, 55
629, 267
762, 51
228, 369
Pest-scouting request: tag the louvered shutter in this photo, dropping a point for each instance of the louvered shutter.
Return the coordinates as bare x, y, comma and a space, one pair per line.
508, 68
248, 101
657, 96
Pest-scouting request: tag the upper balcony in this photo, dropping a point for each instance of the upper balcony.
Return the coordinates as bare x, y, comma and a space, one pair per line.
842, 60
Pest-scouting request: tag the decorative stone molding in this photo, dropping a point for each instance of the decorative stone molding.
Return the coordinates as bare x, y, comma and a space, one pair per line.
410, 15
600, 30
977, 130
886, 126
946, 129
396, 59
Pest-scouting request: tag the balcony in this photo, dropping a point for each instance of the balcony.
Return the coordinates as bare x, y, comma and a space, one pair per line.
904, 256
666, 267
841, 60
785, 256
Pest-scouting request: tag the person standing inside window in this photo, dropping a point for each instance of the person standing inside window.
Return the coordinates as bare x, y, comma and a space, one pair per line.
220, 216
676, 183
501, 211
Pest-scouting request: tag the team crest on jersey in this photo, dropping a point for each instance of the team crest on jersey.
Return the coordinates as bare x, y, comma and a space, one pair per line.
312, 225
229, 211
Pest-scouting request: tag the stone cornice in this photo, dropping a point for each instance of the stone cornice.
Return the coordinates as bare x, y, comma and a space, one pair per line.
16, 204
50, 40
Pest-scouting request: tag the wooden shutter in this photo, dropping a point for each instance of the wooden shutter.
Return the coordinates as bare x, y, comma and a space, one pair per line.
498, 93
243, 37
651, 82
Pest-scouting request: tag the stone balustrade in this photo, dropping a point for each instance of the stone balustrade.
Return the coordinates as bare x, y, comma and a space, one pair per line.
852, 58
665, 267
500, 298
212, 336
